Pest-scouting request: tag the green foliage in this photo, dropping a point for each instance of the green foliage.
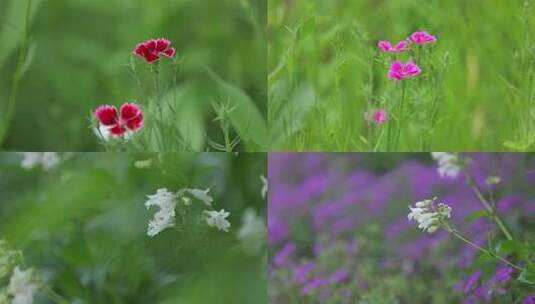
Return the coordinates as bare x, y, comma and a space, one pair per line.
83, 226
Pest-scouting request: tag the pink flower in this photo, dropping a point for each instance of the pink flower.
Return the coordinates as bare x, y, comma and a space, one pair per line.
387, 47
400, 71
379, 116
153, 49
129, 120
422, 38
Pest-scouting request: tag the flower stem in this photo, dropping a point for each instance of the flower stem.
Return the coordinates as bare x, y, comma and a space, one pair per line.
17, 76
458, 235
491, 210
53, 295
400, 114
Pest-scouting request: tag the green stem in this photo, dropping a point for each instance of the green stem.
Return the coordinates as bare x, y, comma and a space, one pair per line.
472, 184
466, 240
17, 76
50, 293
400, 114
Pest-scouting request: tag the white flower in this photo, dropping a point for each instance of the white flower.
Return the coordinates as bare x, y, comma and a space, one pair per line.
428, 217
31, 160
47, 160
165, 216
264, 189
252, 232
449, 164
218, 220
201, 195
21, 286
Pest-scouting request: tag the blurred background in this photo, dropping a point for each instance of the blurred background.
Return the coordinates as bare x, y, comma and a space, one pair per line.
82, 225
80, 50
338, 230
322, 74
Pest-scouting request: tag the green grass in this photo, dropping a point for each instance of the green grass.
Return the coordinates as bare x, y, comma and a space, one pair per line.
325, 72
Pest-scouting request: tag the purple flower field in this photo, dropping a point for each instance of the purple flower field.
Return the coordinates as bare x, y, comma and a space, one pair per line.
338, 229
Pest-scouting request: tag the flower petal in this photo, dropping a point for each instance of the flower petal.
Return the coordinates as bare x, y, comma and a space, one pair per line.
107, 115
132, 116
170, 52
162, 45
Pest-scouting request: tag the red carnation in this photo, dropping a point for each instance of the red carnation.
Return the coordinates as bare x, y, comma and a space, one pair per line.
129, 120
153, 49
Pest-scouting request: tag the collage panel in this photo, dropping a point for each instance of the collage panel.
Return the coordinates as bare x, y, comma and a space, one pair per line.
132, 228
401, 76
144, 76
401, 228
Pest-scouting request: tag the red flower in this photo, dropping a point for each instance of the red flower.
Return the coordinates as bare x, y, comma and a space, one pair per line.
153, 49
130, 119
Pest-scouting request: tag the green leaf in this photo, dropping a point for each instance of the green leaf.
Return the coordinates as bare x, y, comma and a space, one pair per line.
477, 215
528, 275
513, 247
246, 117
12, 29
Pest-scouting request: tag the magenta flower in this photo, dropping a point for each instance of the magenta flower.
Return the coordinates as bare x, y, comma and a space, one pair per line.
152, 50
422, 38
379, 116
400, 71
387, 47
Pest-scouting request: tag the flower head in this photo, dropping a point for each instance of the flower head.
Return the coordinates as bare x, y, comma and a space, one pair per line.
22, 286
428, 216
379, 116
152, 50
217, 219
264, 190
422, 38
122, 124
47, 160
387, 47
201, 195
449, 164
165, 216
400, 71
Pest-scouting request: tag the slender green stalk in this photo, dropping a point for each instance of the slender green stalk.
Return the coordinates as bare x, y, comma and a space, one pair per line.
52, 295
400, 114
458, 235
490, 209
6, 121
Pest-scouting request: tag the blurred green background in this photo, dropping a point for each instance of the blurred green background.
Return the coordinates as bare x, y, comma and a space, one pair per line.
322, 75
83, 227
82, 49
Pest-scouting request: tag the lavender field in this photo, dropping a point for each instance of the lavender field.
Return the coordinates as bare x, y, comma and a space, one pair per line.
401, 228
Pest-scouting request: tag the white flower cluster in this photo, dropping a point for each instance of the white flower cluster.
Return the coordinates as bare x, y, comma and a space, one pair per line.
165, 217
428, 217
47, 160
22, 286
449, 164
167, 201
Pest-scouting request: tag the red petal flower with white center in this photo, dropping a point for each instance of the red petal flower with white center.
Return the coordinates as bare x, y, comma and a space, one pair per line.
128, 120
152, 50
